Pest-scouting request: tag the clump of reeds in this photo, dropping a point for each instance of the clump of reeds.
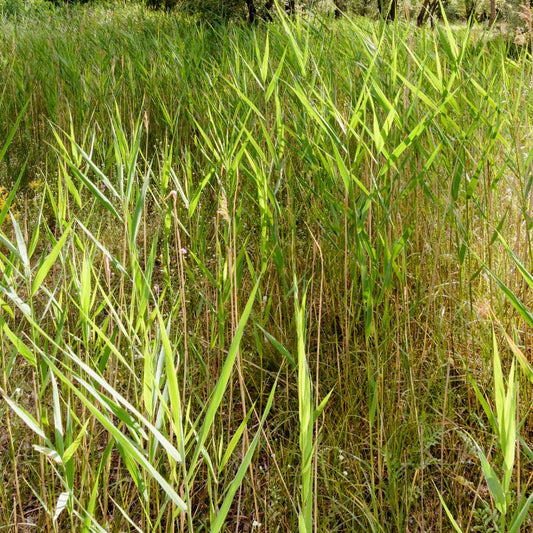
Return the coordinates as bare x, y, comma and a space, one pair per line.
257, 286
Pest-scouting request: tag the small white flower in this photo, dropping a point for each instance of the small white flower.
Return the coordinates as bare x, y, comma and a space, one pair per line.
255, 523
341, 457
18, 391
345, 473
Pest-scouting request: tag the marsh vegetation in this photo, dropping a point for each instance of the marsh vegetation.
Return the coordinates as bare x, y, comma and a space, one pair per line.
269, 277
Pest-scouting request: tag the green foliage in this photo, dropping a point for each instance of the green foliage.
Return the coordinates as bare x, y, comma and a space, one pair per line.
15, 9
213, 10
247, 272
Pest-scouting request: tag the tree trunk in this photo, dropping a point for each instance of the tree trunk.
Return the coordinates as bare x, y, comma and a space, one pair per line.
492, 12
391, 15
290, 7
387, 9
470, 10
252, 12
428, 8
268, 10
339, 8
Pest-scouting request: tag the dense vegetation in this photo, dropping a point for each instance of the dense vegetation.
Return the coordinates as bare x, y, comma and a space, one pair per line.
419, 11
269, 277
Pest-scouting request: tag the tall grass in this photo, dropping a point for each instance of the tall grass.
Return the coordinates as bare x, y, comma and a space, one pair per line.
250, 275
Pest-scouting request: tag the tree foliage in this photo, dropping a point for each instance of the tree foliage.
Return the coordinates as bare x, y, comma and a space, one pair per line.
419, 11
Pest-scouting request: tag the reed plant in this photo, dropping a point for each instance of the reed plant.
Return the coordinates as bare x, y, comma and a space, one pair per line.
250, 275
